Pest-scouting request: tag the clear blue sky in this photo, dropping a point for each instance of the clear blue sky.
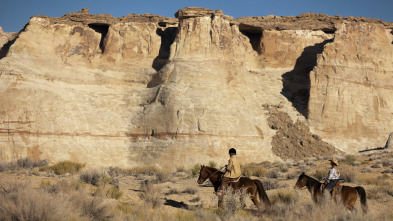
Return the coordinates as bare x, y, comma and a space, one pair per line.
15, 13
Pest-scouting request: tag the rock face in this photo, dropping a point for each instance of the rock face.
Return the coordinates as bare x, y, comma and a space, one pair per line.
350, 87
150, 90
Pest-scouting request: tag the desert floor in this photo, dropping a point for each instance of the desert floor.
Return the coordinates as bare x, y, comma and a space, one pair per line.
147, 193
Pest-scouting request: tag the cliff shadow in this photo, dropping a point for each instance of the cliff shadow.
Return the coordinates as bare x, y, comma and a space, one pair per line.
296, 83
254, 34
6, 47
168, 36
102, 29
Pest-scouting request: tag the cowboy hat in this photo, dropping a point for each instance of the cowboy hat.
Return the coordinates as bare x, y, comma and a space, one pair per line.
334, 160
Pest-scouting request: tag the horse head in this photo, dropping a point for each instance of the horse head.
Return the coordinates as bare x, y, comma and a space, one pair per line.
202, 175
301, 181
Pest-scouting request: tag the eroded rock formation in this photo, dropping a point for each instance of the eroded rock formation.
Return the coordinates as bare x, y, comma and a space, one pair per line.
145, 89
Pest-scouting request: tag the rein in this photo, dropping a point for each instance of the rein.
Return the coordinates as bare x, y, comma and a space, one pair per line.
213, 174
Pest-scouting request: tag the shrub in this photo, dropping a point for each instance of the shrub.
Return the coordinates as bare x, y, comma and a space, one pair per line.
3, 166
113, 171
231, 201
273, 174
114, 193
25, 163
348, 173
387, 162
196, 169
377, 165
269, 184
135, 171
303, 168
366, 170
92, 176
150, 194
93, 207
40, 163
172, 191
319, 174
212, 164
196, 199
284, 196
181, 169
284, 169
253, 170
163, 176
349, 159
63, 167
292, 175
190, 190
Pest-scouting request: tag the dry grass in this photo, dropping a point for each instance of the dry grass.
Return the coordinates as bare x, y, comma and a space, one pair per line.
163, 176
254, 170
348, 173
284, 196
269, 184
75, 200
63, 167
20, 201
319, 174
150, 194
349, 160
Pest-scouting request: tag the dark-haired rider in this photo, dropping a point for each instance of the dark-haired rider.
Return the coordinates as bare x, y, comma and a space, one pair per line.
232, 171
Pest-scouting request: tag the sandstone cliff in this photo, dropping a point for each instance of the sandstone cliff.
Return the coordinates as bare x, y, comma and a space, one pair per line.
145, 89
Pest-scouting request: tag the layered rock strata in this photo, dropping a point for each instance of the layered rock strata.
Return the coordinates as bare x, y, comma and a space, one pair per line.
150, 90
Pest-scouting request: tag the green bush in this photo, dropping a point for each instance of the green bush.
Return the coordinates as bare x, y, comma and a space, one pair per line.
63, 167
196, 169
212, 164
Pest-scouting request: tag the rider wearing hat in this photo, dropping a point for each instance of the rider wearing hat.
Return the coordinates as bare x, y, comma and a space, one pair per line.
333, 175
232, 170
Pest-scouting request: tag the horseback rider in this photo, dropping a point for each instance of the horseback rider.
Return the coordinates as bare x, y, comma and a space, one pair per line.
333, 176
232, 172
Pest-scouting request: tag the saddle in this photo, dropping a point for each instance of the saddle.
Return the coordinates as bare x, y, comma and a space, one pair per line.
235, 180
335, 189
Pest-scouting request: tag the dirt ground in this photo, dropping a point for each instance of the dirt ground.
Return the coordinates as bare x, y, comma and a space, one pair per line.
179, 191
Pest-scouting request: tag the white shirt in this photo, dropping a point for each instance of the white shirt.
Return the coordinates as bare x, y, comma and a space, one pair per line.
333, 175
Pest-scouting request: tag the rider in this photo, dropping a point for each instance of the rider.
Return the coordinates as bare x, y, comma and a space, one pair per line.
333, 175
232, 170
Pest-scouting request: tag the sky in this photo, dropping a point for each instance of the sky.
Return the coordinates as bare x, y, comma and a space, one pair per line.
14, 14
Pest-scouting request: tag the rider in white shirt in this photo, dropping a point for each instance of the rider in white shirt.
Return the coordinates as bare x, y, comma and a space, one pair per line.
333, 175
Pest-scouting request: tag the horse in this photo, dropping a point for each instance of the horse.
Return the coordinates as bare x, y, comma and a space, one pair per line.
247, 185
348, 194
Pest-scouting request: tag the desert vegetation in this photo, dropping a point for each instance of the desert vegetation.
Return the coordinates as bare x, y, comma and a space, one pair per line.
72, 191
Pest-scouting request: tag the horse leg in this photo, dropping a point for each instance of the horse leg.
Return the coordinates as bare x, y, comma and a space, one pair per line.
351, 203
243, 204
254, 198
220, 201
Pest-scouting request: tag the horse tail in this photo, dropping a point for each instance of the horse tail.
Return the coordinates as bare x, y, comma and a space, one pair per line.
363, 199
262, 193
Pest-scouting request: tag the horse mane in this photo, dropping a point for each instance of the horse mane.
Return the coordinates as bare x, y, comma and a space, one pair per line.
211, 169
311, 180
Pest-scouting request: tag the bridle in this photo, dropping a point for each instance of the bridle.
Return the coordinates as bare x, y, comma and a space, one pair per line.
213, 174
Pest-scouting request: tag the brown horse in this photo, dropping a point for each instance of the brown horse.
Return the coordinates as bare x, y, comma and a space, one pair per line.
247, 185
348, 194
